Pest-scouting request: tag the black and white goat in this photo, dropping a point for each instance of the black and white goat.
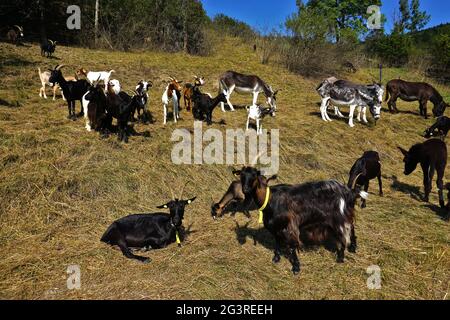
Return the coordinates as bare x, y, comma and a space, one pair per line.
73, 90
346, 93
312, 212
257, 113
48, 48
439, 129
148, 231
142, 89
95, 105
366, 168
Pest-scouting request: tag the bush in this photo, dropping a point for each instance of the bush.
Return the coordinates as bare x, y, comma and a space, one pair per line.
393, 50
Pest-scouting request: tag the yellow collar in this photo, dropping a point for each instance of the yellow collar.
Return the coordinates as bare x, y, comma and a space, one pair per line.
266, 201
177, 237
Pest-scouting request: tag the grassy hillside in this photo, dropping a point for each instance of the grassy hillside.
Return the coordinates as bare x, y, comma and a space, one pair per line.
61, 187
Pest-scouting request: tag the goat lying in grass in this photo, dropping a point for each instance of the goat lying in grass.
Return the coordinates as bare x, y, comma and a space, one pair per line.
73, 90
148, 231
233, 200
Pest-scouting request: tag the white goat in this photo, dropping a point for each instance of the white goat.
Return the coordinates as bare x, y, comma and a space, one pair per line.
257, 113
93, 76
172, 92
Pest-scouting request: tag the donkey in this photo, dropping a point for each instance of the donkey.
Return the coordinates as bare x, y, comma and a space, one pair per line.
415, 91
345, 93
432, 155
232, 81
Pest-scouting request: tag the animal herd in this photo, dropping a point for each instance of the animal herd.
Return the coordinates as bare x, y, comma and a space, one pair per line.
295, 215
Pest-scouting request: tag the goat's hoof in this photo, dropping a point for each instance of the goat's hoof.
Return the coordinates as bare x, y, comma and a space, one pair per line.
340, 260
276, 259
352, 248
146, 260
296, 270
363, 205
381, 194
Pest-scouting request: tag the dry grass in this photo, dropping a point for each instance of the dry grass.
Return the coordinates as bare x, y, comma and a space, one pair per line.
62, 186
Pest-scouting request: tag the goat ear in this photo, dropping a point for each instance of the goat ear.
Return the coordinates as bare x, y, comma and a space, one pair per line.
189, 201
237, 173
403, 151
164, 206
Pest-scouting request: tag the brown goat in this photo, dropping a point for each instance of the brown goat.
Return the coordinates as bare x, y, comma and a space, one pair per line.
188, 91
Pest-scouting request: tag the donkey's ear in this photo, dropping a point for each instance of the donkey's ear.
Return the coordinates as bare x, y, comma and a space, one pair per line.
164, 206
403, 151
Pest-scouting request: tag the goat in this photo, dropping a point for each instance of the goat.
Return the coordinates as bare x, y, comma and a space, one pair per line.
440, 128
73, 90
432, 156
44, 77
148, 231
93, 76
257, 113
172, 92
313, 211
204, 106
142, 89
188, 91
447, 186
48, 48
15, 34
95, 105
366, 168
234, 195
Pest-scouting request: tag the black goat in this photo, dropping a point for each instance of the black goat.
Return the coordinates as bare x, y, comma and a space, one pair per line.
204, 105
48, 48
366, 168
142, 89
73, 90
120, 106
149, 231
447, 186
96, 108
432, 156
310, 212
440, 128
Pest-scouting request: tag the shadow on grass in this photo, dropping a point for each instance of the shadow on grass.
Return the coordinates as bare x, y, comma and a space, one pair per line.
13, 61
413, 191
262, 236
442, 213
14, 104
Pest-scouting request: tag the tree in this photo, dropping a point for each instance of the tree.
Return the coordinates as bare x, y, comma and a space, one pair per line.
419, 19
405, 16
347, 16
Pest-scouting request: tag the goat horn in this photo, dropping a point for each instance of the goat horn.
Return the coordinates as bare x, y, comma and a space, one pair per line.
171, 79
170, 189
182, 190
354, 181
17, 27
60, 66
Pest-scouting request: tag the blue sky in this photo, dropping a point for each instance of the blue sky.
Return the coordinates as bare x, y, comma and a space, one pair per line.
267, 14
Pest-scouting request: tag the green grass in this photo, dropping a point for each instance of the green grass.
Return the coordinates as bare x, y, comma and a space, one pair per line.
61, 187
